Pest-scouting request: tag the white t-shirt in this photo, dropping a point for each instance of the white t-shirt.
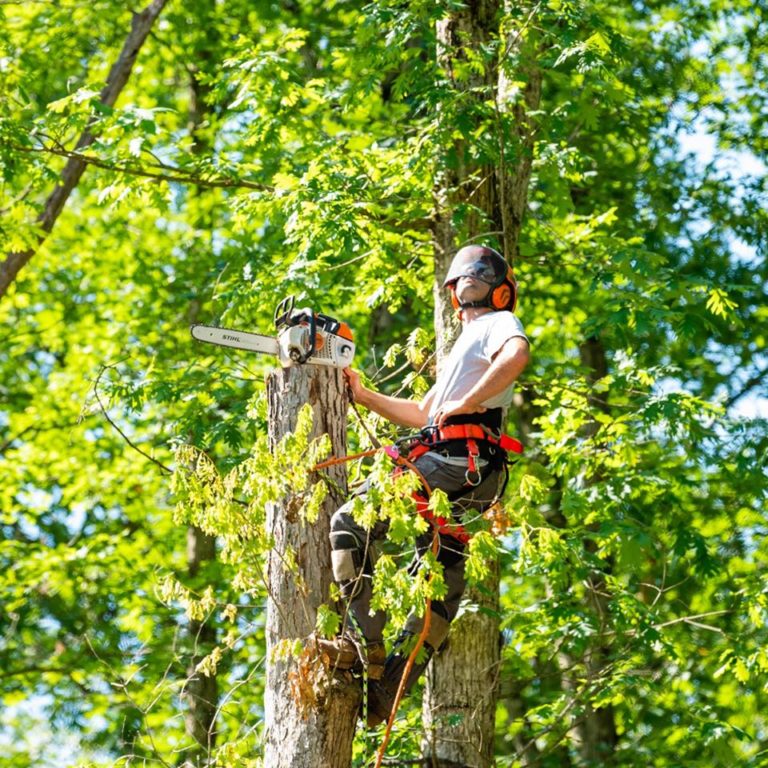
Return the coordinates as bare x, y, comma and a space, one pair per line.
480, 340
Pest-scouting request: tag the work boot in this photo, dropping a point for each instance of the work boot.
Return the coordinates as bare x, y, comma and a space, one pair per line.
375, 656
346, 653
383, 690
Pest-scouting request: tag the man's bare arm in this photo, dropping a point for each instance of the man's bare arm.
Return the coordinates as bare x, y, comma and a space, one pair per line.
508, 364
399, 410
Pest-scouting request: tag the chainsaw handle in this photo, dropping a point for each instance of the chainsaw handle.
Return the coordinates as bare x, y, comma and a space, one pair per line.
303, 357
283, 310
286, 315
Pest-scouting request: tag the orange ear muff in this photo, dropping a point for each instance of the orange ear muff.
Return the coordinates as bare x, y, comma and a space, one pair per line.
502, 297
454, 300
505, 296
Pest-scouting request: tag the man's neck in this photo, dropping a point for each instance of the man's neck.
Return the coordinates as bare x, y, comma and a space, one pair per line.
472, 313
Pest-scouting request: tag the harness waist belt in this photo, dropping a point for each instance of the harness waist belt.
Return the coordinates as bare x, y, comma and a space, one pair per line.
474, 432
429, 439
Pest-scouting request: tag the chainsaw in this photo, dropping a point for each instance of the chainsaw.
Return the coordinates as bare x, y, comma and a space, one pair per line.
303, 336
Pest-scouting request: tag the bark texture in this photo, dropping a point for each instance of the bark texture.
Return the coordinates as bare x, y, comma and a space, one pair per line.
462, 681
141, 26
310, 716
459, 698
462, 684
460, 180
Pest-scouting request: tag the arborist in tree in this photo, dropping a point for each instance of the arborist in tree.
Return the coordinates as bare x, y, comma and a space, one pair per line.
460, 449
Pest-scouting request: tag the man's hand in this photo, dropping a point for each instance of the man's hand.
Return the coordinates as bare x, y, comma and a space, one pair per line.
454, 408
354, 385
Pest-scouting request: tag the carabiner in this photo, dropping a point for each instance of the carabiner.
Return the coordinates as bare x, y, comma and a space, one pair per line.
475, 472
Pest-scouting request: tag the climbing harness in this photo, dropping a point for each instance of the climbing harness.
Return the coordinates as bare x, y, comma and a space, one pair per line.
454, 439
460, 439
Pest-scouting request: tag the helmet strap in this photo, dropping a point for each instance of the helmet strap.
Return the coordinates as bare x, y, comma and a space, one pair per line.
487, 301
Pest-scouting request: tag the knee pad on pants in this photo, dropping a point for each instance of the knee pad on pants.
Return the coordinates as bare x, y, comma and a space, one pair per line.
438, 629
347, 571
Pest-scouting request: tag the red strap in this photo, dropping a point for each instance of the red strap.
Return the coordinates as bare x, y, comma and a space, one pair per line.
508, 443
475, 431
455, 530
472, 453
462, 432
418, 450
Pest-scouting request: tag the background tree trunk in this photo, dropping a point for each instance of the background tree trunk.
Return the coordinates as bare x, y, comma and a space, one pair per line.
462, 682
201, 691
596, 736
309, 717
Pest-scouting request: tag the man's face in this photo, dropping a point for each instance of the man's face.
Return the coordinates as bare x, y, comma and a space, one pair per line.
469, 289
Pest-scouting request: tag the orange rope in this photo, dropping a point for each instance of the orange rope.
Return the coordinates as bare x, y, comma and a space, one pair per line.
334, 460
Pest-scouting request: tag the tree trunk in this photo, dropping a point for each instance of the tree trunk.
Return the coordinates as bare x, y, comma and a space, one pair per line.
596, 733
462, 682
460, 693
459, 180
141, 26
201, 691
309, 716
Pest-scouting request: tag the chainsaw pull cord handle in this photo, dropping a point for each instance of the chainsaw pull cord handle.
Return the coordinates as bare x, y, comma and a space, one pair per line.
285, 315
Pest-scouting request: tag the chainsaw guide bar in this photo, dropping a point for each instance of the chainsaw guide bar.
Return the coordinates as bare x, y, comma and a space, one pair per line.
224, 337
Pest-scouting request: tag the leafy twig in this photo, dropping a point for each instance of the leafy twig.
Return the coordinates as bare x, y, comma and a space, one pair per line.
117, 428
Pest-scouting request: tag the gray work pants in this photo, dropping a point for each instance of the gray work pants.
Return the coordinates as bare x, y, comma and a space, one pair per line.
353, 542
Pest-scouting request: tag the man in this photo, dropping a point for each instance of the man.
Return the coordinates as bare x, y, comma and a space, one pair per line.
467, 462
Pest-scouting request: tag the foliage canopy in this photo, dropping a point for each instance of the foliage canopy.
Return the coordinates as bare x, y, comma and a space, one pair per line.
261, 149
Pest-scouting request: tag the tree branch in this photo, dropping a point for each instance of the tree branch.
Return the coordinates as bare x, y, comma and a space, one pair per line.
755, 381
36, 429
141, 25
167, 173
120, 431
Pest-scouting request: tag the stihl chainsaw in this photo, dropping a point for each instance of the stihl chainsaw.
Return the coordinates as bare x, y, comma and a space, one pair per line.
303, 336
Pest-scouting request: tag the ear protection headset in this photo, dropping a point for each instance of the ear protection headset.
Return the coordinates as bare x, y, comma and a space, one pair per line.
487, 266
